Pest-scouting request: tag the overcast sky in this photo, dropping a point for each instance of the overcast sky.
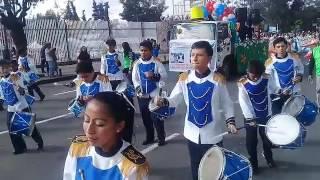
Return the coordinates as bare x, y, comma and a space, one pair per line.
115, 7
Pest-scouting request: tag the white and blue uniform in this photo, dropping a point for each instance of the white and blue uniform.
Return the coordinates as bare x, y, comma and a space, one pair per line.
88, 162
26, 63
282, 72
148, 87
204, 98
255, 102
100, 84
254, 98
110, 67
9, 90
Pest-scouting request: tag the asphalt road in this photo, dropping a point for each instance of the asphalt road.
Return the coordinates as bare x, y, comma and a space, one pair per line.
170, 162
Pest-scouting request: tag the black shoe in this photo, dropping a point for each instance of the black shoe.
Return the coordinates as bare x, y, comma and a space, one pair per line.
162, 143
255, 171
272, 164
42, 97
146, 142
40, 147
1, 108
20, 151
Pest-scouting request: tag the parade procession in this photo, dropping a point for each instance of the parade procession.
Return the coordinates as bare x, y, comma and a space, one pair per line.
216, 90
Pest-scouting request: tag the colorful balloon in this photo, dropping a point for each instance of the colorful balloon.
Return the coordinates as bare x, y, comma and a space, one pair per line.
205, 12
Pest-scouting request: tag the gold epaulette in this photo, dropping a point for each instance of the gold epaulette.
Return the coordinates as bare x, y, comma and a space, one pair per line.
78, 82
295, 56
268, 62
104, 78
219, 78
243, 80
80, 146
14, 77
183, 76
133, 159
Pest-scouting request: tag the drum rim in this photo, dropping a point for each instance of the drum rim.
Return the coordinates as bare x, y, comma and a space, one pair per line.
290, 99
244, 158
151, 103
270, 121
223, 150
31, 127
212, 149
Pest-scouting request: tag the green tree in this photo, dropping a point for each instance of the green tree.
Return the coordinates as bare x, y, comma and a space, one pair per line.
83, 16
50, 14
71, 13
285, 13
13, 16
142, 10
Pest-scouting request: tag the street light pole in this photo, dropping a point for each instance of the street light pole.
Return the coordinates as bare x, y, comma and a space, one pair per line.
173, 7
106, 6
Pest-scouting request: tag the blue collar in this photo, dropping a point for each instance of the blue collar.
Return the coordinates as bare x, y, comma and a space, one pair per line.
112, 152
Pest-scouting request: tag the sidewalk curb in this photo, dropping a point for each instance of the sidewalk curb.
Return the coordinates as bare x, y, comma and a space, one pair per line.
56, 79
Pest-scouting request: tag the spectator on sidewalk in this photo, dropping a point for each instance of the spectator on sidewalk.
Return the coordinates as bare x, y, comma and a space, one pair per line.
44, 63
55, 61
84, 55
49, 59
30, 72
13, 53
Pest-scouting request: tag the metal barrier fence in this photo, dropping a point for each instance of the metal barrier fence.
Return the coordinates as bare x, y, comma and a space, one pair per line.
69, 36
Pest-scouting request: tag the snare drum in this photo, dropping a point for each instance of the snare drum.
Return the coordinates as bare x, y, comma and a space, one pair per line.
160, 112
285, 131
303, 109
75, 107
22, 123
220, 164
33, 77
30, 99
127, 89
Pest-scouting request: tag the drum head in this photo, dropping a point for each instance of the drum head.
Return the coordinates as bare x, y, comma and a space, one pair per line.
121, 87
152, 105
212, 164
282, 129
294, 105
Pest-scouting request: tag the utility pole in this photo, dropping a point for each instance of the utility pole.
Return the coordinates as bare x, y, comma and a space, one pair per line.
106, 6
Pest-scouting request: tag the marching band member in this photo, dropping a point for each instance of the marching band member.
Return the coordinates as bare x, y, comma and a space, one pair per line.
146, 74
110, 64
204, 93
286, 71
255, 103
314, 66
101, 153
28, 69
13, 91
89, 83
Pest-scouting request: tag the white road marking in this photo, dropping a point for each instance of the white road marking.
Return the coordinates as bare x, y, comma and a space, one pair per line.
66, 92
44, 121
155, 145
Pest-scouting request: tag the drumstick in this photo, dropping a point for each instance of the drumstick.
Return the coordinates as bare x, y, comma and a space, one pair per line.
261, 125
228, 132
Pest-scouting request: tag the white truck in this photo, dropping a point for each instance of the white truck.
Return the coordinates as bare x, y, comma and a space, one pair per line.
183, 35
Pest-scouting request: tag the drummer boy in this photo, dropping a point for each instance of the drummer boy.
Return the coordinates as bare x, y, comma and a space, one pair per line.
255, 104
13, 92
286, 71
204, 93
